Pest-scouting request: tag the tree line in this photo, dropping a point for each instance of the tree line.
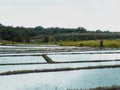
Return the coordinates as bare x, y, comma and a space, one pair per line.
41, 34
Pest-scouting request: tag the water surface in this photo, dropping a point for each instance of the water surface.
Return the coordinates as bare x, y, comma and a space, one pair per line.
21, 59
61, 80
85, 57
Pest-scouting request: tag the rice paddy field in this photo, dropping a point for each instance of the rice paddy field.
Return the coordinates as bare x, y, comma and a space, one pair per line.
46, 67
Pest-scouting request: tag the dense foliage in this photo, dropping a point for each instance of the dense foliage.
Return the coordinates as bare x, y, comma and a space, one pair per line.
53, 34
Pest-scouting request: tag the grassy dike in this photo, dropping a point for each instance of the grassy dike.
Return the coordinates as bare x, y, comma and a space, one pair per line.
48, 59
83, 43
59, 62
92, 43
57, 69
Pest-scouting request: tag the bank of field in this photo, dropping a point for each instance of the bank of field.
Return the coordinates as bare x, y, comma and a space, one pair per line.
83, 43
92, 43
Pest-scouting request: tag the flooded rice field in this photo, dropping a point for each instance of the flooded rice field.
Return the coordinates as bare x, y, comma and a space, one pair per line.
23, 67
84, 57
5, 68
61, 80
21, 59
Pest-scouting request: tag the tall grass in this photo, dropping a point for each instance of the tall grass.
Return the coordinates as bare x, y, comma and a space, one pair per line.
92, 43
82, 43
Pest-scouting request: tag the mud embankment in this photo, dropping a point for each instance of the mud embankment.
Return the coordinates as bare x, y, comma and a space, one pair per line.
57, 70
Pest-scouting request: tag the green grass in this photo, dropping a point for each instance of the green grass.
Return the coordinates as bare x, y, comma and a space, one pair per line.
82, 43
5, 42
92, 43
48, 59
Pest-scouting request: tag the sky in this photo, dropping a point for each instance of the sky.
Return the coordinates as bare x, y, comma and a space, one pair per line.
91, 14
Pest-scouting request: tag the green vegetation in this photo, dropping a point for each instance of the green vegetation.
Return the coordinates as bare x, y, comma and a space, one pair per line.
84, 43
49, 60
55, 35
92, 43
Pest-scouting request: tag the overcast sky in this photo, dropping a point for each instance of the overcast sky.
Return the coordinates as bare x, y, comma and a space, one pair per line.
91, 14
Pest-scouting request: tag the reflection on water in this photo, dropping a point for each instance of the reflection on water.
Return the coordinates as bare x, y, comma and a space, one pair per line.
22, 59
58, 80
84, 57
52, 49
61, 80
52, 66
